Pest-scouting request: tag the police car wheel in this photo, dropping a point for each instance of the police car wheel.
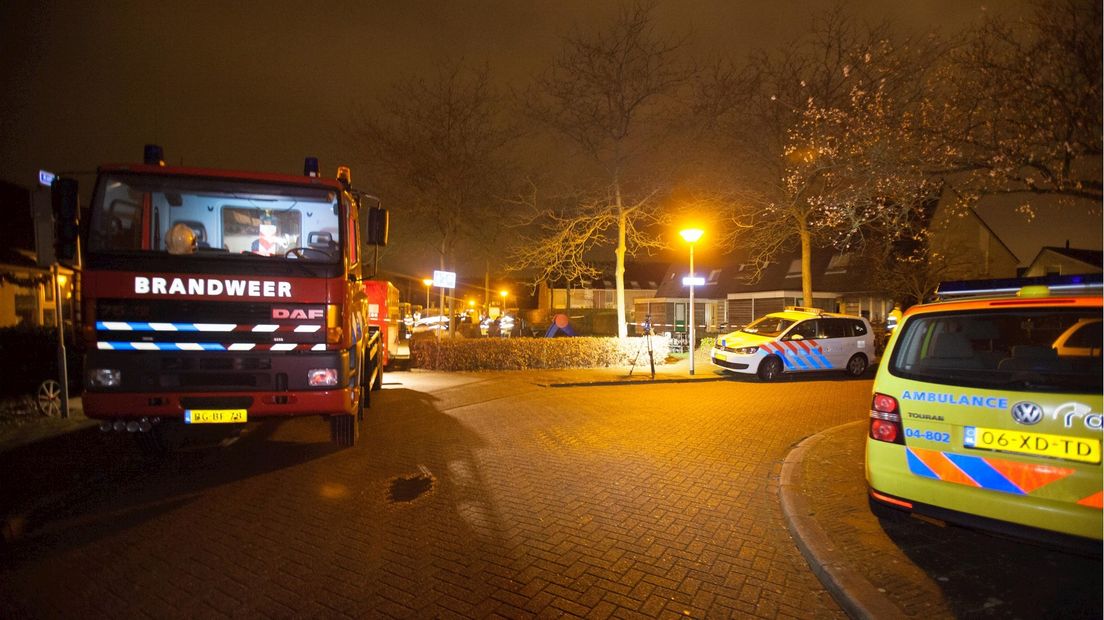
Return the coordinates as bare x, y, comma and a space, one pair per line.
856, 366
770, 368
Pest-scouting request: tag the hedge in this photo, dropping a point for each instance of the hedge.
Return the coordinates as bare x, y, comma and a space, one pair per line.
461, 354
28, 355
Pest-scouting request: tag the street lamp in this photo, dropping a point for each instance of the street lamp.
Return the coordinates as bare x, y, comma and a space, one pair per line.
691, 235
428, 282
504, 294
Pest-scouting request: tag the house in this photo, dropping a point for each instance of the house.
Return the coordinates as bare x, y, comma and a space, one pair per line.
1064, 261
592, 304
27, 291
736, 294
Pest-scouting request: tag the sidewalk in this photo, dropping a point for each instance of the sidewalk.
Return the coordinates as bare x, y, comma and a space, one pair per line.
677, 372
823, 495
39, 427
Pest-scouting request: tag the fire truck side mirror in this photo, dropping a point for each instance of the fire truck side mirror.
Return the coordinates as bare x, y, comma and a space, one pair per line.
66, 207
376, 233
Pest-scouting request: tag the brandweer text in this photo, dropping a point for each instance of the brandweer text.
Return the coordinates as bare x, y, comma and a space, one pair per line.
211, 286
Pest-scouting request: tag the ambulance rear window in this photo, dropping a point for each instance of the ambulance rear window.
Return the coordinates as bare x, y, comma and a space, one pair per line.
1023, 349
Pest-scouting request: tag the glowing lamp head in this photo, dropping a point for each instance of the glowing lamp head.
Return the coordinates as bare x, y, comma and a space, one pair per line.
427, 281
691, 235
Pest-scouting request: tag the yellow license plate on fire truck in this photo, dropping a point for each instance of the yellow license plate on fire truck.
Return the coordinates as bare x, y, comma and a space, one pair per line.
215, 416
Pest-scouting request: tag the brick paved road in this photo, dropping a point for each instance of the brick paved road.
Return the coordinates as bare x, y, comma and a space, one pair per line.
625, 501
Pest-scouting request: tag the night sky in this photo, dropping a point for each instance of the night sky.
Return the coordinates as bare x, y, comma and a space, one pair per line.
259, 85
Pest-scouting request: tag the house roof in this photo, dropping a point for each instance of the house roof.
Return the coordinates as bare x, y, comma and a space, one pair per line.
832, 272
1092, 258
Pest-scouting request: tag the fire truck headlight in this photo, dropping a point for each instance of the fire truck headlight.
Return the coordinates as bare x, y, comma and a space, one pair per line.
320, 377
105, 377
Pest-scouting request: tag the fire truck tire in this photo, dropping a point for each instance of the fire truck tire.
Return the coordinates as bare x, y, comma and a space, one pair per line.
344, 430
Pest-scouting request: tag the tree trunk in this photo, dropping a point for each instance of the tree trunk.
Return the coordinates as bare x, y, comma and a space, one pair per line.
619, 272
806, 267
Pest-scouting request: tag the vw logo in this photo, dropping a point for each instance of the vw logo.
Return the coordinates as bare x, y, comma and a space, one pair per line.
1025, 412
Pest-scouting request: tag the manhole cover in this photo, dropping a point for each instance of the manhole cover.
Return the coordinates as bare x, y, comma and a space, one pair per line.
410, 488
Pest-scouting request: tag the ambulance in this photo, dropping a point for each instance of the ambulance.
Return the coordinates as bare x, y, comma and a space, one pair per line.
986, 410
797, 340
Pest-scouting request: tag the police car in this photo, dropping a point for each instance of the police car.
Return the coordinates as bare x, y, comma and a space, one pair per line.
797, 340
986, 410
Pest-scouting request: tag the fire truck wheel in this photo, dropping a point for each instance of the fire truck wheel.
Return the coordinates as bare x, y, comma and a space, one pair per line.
344, 430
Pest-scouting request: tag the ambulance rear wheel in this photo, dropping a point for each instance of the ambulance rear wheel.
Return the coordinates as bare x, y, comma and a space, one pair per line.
856, 366
344, 430
770, 368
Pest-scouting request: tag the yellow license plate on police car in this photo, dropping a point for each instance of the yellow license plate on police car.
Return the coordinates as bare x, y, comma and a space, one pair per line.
1035, 444
215, 416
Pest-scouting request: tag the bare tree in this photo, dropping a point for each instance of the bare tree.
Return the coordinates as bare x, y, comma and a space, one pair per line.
1020, 108
820, 136
436, 147
610, 93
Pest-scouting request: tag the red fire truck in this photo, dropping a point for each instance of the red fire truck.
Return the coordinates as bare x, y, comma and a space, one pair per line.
385, 315
212, 297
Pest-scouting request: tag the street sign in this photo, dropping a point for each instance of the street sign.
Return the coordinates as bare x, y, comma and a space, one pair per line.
45, 178
444, 279
696, 281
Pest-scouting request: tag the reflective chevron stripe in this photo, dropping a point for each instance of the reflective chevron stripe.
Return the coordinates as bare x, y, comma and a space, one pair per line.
206, 346
800, 354
989, 473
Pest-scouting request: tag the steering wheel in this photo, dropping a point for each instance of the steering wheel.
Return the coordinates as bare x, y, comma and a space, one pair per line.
306, 253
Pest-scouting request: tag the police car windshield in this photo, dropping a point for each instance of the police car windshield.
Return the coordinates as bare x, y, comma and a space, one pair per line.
1027, 349
134, 213
768, 326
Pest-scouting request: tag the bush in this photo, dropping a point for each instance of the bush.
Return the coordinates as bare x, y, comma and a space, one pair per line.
28, 356
523, 353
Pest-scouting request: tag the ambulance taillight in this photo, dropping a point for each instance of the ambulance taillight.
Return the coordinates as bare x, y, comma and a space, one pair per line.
885, 420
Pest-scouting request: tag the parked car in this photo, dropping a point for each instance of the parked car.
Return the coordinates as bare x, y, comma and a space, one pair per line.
987, 412
797, 340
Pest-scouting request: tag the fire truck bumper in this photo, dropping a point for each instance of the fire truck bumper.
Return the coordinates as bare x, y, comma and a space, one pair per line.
169, 405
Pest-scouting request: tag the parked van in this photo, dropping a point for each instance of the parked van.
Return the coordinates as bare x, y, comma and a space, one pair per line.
797, 340
986, 410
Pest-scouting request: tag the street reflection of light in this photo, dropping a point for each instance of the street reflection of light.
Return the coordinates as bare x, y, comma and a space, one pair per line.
334, 490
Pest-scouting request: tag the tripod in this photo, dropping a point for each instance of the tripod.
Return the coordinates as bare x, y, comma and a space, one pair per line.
646, 343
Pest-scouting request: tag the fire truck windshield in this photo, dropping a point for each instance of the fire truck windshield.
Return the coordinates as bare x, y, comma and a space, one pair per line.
138, 213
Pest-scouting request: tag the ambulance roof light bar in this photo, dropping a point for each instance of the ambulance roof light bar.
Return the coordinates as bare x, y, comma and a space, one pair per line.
997, 287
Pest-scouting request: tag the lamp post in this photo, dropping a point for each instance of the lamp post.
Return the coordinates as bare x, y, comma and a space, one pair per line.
428, 282
691, 235
503, 294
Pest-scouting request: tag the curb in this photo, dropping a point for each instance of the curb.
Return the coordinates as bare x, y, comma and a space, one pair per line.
630, 381
854, 593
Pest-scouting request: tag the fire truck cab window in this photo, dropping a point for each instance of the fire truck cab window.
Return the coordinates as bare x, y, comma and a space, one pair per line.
134, 213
